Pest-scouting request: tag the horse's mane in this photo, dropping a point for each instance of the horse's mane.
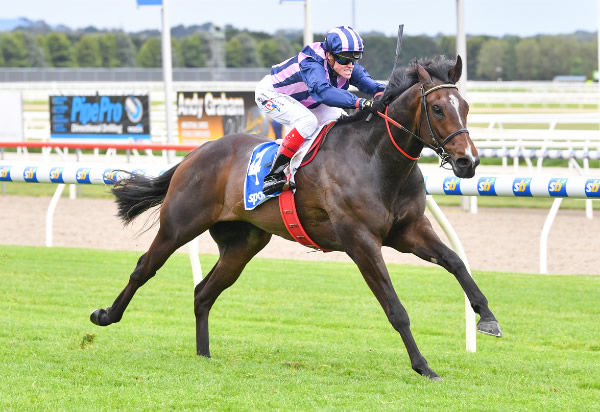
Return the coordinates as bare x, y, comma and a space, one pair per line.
403, 78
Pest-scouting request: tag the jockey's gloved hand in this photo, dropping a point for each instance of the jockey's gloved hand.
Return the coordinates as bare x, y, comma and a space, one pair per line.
372, 106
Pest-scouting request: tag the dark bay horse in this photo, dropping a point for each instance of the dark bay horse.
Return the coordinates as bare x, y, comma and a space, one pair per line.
363, 190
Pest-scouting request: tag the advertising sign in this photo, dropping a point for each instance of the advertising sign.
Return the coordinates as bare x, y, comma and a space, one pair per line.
203, 116
100, 117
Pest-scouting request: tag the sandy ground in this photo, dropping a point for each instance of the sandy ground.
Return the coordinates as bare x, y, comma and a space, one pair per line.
493, 239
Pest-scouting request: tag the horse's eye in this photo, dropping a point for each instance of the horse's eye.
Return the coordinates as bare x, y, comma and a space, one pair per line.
437, 110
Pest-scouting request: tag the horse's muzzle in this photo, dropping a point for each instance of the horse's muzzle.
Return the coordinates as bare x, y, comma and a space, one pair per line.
464, 166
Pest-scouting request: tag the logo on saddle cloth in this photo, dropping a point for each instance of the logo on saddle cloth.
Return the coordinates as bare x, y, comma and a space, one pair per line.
258, 167
260, 164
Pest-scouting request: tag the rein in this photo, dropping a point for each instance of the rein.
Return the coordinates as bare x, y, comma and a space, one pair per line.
438, 148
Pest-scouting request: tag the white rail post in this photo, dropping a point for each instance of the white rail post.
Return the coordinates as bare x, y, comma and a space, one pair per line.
546, 232
193, 251
470, 326
50, 213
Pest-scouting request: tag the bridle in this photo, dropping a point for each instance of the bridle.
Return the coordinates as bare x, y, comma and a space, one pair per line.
437, 147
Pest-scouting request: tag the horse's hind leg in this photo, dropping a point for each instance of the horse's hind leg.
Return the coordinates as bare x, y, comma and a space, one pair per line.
238, 242
421, 240
162, 247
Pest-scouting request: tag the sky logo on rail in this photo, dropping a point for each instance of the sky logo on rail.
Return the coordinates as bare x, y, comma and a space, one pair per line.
30, 174
522, 186
452, 186
557, 187
592, 187
83, 175
110, 176
56, 175
5, 174
486, 186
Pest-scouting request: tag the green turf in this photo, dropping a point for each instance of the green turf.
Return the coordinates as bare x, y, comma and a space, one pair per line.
289, 335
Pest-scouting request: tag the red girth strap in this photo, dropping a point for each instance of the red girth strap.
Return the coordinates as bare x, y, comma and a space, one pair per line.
287, 206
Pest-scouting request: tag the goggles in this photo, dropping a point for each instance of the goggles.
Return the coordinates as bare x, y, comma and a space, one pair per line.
345, 59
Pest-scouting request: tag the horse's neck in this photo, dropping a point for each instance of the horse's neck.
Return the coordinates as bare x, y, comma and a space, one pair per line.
398, 148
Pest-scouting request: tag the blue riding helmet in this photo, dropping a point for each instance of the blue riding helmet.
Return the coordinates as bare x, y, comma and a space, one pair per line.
344, 41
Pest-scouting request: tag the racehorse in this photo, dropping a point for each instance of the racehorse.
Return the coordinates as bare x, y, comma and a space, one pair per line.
362, 191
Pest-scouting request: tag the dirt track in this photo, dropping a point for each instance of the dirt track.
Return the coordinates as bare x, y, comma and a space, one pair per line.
494, 239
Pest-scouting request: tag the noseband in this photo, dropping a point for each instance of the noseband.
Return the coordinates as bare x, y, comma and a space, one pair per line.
437, 147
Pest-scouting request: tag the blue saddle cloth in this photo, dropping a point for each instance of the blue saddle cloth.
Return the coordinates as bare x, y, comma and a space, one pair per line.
258, 167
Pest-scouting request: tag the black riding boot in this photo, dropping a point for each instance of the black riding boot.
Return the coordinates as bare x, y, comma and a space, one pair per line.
275, 180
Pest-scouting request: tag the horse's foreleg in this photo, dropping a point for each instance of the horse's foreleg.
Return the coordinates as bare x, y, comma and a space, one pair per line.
372, 266
162, 247
238, 242
421, 240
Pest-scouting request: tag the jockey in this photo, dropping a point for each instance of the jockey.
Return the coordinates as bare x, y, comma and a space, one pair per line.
310, 89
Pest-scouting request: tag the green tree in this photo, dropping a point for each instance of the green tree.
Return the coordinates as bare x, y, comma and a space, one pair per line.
87, 51
107, 48
490, 60
275, 50
60, 50
588, 55
195, 50
35, 50
176, 54
233, 53
447, 45
379, 55
248, 56
528, 59
509, 66
13, 50
556, 55
416, 47
125, 50
474, 44
268, 52
149, 54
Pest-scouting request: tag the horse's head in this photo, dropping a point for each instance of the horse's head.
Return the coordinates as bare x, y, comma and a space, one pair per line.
438, 111
444, 119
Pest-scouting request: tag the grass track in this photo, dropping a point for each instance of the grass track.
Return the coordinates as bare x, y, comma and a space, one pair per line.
312, 338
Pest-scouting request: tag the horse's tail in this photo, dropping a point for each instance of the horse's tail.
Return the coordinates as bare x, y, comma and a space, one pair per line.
136, 193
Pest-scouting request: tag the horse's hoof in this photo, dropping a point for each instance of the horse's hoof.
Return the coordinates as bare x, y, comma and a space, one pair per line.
432, 376
429, 373
100, 317
490, 327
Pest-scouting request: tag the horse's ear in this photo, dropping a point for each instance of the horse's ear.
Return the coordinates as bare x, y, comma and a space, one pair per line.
424, 76
455, 72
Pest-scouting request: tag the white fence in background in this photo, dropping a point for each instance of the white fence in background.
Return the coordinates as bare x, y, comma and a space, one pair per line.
537, 186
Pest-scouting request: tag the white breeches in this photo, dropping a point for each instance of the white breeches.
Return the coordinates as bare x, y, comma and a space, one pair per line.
290, 112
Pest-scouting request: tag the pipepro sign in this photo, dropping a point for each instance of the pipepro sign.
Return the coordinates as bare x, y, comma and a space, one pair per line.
100, 117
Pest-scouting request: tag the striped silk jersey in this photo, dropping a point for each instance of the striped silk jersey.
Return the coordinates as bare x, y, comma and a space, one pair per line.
308, 78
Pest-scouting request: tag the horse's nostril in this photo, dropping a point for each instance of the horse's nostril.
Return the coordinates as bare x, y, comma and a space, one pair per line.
463, 162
